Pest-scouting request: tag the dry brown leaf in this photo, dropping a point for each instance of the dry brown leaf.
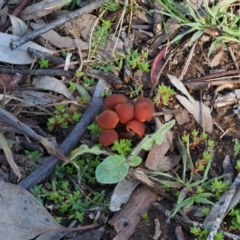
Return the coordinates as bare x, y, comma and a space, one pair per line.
217, 59
61, 42
41, 9
200, 112
52, 84
24, 217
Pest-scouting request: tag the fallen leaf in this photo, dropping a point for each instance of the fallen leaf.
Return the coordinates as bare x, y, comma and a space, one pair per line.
19, 55
122, 193
9, 156
42, 8
200, 112
52, 84
157, 152
155, 65
23, 217
35, 97
217, 59
61, 42
19, 28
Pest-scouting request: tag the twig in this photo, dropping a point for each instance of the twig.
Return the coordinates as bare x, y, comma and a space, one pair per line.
70, 142
39, 72
30, 36
120, 23
109, 77
230, 73
233, 57
128, 44
39, 55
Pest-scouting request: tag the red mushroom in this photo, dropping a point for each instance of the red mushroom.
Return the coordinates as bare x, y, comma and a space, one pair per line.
107, 119
136, 126
108, 137
143, 99
125, 112
112, 101
143, 111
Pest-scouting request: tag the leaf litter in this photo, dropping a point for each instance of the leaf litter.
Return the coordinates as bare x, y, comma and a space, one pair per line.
46, 94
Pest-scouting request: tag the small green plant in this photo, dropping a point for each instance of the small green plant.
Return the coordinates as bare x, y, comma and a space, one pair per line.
99, 38
44, 63
163, 96
219, 19
106, 67
70, 202
88, 82
79, 74
219, 187
122, 146
238, 166
111, 5
205, 211
63, 116
219, 236
94, 129
34, 156
135, 91
235, 218
72, 86
137, 60
192, 191
145, 217
236, 147
199, 234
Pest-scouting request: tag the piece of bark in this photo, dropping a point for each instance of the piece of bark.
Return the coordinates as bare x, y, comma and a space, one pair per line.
157, 152
126, 220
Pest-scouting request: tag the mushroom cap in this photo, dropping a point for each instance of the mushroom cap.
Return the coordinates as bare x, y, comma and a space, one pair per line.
107, 119
107, 137
136, 126
112, 101
143, 111
143, 99
125, 112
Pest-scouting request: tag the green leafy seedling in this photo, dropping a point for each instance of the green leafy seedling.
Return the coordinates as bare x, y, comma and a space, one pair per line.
163, 96
145, 217
94, 129
199, 234
34, 156
238, 166
122, 146
44, 63
236, 147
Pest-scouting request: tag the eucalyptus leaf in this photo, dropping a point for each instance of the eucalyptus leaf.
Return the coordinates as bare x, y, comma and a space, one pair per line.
85, 149
113, 169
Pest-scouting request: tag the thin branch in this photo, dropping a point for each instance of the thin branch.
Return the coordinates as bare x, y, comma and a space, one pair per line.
39, 72
30, 36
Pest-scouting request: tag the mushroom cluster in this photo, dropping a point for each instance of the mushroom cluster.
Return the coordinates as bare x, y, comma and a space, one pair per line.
119, 117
